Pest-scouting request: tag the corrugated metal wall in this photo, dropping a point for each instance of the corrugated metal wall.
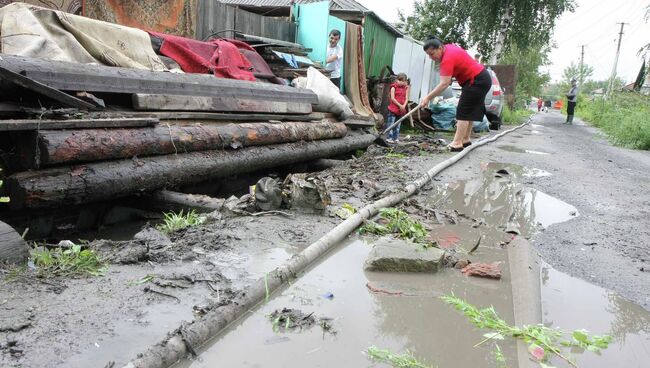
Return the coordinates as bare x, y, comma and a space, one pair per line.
410, 58
379, 45
213, 16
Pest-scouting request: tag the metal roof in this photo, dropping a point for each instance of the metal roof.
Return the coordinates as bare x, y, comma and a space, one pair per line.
334, 4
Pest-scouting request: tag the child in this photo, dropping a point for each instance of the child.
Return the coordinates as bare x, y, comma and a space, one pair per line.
399, 92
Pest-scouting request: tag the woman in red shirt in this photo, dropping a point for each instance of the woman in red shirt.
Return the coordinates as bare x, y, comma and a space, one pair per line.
475, 82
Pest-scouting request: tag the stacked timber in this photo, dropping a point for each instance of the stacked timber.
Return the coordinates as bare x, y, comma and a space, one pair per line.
76, 133
274, 53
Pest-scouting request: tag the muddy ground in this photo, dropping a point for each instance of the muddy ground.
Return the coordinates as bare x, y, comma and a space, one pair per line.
80, 322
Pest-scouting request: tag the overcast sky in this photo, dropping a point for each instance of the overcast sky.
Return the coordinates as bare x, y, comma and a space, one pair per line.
593, 24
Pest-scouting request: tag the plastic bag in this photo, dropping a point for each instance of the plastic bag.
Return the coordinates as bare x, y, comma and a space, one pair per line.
329, 97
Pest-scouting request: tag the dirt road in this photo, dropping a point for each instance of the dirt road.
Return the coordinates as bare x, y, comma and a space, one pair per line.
608, 244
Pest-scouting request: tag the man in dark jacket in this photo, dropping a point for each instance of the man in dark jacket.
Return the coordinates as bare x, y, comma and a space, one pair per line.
572, 99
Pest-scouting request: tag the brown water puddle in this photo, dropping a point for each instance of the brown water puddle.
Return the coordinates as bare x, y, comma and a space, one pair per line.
407, 313
570, 303
499, 202
416, 320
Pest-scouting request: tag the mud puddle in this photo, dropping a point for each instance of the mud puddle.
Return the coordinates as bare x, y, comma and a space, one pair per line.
521, 150
570, 303
406, 315
499, 201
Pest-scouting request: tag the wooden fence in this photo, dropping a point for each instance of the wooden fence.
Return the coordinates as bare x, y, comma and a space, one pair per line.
213, 16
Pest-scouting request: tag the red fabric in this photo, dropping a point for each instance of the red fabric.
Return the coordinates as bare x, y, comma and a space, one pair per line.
457, 63
220, 57
400, 96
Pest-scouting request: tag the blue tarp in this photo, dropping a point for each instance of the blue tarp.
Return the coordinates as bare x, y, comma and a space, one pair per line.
443, 116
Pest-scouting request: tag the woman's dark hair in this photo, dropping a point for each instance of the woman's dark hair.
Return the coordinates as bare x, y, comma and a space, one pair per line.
432, 42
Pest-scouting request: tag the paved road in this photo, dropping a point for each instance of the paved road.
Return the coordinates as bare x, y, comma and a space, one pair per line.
608, 244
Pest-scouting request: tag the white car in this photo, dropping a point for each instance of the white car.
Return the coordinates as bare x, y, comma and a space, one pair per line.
493, 100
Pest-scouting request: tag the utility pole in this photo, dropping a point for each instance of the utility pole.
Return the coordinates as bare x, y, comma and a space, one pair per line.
582, 64
618, 50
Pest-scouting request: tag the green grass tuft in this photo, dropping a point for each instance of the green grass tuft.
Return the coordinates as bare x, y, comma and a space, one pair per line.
514, 117
177, 221
71, 262
406, 360
396, 222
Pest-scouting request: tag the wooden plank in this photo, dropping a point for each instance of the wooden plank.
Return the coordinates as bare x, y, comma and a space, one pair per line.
53, 93
143, 101
33, 124
209, 116
68, 76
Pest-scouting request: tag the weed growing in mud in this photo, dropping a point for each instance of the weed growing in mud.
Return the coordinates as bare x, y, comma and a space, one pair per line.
543, 342
395, 221
176, 221
394, 154
406, 360
73, 261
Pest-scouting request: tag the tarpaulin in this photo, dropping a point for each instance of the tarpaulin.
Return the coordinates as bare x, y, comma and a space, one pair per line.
68, 6
32, 31
217, 56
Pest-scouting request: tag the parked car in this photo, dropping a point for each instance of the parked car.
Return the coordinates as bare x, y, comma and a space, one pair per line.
494, 100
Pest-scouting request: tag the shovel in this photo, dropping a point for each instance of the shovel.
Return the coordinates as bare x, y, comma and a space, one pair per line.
380, 140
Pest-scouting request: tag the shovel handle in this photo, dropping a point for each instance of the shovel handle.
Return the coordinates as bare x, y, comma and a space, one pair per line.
400, 119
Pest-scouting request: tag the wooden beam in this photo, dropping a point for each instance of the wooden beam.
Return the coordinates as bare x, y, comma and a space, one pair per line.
53, 93
68, 76
34, 124
174, 200
143, 101
216, 116
109, 180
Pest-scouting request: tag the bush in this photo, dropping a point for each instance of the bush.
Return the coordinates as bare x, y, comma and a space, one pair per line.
625, 118
512, 117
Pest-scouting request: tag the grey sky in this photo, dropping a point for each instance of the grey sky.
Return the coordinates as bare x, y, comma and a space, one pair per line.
593, 24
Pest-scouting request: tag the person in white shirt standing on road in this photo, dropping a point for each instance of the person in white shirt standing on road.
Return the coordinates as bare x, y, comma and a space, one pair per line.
335, 57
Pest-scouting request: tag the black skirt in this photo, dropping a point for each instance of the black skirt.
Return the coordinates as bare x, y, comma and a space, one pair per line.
471, 105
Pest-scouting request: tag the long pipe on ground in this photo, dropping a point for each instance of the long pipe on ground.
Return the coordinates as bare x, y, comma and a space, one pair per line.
199, 332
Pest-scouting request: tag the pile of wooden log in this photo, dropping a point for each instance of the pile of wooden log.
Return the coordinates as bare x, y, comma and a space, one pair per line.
269, 49
76, 133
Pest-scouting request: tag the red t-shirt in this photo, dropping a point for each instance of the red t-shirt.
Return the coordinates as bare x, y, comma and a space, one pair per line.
457, 63
400, 96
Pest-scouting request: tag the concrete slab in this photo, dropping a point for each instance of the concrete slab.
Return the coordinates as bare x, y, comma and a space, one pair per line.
396, 255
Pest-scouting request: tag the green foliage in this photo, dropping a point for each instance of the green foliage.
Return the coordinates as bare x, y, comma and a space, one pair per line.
393, 154
406, 360
543, 342
176, 221
73, 262
440, 18
623, 117
513, 117
477, 23
574, 71
528, 61
395, 221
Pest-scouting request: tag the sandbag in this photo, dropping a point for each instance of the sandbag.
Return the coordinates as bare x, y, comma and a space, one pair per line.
329, 96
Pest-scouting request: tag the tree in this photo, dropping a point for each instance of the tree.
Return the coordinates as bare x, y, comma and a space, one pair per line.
646, 48
573, 71
490, 25
528, 61
440, 18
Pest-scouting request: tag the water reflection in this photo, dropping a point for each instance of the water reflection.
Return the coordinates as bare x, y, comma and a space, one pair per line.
501, 201
570, 303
